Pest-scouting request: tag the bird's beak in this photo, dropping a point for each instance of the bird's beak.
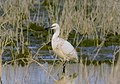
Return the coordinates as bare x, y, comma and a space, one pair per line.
50, 27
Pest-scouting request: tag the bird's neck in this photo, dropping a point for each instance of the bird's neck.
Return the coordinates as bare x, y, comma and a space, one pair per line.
56, 34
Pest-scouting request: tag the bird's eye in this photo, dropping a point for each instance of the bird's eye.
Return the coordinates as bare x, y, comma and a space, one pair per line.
54, 26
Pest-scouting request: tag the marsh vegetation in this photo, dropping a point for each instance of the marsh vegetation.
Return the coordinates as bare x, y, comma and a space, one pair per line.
92, 26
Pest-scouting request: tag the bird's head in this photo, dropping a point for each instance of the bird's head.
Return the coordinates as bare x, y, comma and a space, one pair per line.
54, 26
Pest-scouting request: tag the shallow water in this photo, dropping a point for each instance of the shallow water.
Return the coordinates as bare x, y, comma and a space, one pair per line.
36, 73
47, 74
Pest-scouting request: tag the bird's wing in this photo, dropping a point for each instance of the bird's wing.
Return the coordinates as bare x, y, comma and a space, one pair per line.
67, 48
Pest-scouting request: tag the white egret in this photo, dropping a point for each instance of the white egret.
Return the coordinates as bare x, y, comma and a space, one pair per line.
61, 47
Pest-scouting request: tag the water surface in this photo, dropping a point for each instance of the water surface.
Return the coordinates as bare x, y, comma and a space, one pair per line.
47, 73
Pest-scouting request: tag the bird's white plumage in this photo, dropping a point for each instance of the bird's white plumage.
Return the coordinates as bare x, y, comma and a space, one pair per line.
61, 47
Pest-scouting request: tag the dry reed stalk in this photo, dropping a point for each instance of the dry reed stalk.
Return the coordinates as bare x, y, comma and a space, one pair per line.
94, 17
15, 14
4, 41
115, 70
0, 65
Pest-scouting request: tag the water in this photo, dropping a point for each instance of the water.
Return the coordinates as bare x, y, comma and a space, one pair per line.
35, 73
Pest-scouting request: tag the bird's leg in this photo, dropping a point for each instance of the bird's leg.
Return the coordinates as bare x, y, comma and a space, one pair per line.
64, 67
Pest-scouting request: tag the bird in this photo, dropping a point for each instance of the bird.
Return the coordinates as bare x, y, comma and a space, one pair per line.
61, 47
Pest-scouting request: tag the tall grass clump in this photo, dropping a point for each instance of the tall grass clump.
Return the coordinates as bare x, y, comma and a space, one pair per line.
14, 18
5, 39
93, 18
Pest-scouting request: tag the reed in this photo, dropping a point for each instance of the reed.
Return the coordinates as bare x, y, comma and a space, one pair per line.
92, 17
14, 18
